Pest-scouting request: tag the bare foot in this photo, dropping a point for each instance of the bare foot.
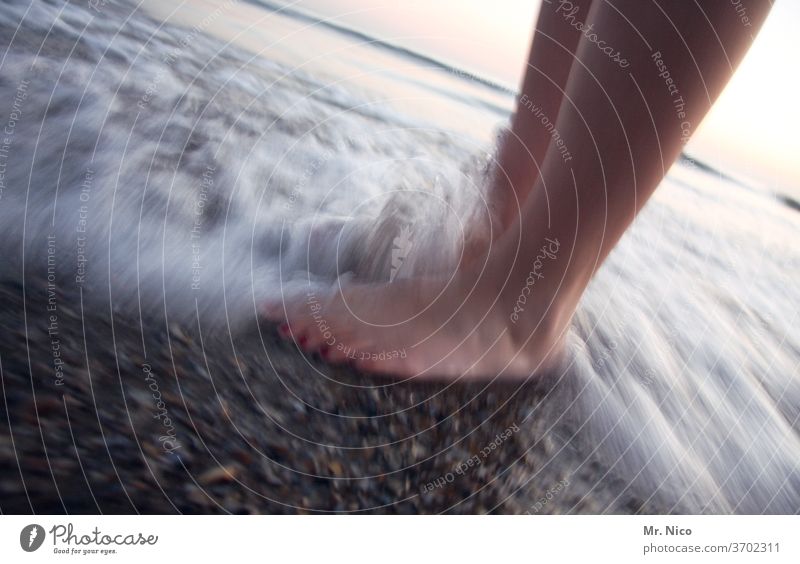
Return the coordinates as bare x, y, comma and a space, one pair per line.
468, 326
511, 175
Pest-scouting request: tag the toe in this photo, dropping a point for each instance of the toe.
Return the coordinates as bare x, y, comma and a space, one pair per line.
317, 338
339, 355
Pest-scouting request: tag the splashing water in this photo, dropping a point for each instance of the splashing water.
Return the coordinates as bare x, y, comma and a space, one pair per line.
191, 178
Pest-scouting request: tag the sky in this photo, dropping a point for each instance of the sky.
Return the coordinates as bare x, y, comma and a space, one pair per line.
751, 131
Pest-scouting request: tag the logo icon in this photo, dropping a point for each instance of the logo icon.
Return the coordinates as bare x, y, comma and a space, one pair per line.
31, 537
402, 248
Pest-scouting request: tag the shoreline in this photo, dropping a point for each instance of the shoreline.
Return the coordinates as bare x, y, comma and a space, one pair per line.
247, 437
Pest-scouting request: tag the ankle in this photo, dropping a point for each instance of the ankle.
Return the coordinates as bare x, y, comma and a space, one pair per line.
512, 178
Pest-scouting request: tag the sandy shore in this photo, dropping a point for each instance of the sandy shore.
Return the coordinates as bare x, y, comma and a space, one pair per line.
232, 434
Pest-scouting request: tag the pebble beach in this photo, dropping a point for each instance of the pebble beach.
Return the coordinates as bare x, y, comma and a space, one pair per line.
236, 438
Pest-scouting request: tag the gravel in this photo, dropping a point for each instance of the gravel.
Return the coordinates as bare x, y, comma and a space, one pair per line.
249, 425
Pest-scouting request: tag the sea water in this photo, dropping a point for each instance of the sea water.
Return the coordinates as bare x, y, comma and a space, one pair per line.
183, 174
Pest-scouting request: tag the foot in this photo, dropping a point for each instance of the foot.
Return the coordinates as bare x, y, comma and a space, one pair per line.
513, 174
465, 327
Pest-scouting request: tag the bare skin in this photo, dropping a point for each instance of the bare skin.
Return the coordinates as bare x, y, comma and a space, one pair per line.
421, 328
623, 129
522, 148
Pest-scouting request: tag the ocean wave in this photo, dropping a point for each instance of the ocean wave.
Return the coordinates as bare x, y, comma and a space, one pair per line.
157, 170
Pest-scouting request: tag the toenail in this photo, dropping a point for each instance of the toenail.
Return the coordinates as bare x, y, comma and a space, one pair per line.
324, 352
284, 330
302, 341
